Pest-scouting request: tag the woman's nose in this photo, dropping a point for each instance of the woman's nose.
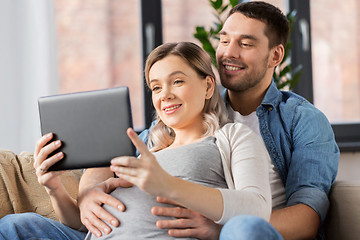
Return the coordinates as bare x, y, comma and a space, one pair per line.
166, 93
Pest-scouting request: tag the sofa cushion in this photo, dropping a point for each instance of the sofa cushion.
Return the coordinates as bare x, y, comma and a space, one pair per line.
20, 190
343, 218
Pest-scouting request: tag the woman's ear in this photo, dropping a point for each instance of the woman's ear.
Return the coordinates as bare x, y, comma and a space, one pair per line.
277, 55
210, 85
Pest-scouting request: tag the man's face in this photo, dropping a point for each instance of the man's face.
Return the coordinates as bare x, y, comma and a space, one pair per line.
243, 53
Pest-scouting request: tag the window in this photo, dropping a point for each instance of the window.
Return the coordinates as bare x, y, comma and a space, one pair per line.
99, 46
326, 43
336, 55
179, 17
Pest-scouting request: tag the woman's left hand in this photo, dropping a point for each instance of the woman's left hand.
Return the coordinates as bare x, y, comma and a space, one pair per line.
144, 172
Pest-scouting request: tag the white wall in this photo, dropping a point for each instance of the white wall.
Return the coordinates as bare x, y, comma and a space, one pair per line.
28, 69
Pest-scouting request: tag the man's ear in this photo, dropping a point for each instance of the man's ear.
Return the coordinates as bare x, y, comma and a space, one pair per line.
276, 55
210, 85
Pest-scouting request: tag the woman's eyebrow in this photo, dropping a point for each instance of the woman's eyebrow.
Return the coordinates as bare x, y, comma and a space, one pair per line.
153, 80
177, 72
170, 75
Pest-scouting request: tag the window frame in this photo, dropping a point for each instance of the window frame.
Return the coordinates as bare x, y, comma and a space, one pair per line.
152, 36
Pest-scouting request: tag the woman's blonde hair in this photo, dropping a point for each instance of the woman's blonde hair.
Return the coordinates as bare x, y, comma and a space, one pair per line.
215, 115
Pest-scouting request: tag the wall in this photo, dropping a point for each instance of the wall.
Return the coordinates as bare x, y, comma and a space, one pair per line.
27, 69
349, 166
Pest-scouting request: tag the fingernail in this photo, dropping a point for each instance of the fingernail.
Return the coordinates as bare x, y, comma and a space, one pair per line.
106, 230
113, 222
60, 155
48, 135
57, 143
121, 208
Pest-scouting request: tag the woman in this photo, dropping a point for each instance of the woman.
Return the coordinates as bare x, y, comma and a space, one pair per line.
194, 157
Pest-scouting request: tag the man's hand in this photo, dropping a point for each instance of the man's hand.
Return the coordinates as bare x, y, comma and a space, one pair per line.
90, 202
188, 224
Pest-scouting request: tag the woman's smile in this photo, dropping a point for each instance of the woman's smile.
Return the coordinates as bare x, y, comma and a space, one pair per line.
171, 108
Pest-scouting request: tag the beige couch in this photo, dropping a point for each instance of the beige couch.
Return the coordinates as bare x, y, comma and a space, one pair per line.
20, 192
343, 219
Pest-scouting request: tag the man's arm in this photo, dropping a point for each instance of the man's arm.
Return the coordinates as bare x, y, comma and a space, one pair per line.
312, 168
95, 186
296, 222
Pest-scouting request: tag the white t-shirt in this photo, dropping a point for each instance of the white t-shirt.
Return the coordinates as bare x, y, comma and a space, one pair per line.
276, 185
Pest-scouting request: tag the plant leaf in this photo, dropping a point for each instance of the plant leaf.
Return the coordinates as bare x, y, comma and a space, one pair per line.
216, 4
233, 3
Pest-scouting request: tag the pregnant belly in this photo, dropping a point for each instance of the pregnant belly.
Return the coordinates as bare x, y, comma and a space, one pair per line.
136, 222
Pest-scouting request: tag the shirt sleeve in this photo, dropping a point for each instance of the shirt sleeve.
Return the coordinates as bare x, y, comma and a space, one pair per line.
314, 161
246, 161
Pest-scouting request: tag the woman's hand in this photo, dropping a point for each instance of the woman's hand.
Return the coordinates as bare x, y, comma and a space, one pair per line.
50, 180
144, 172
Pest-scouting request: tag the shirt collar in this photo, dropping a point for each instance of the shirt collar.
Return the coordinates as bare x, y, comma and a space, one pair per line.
272, 96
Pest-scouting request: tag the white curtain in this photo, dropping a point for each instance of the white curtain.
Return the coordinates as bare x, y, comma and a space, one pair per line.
28, 69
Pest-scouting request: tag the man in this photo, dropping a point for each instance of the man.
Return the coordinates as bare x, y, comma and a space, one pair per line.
298, 137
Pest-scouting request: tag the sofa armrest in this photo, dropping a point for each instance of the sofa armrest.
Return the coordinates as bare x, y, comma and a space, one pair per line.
20, 190
343, 218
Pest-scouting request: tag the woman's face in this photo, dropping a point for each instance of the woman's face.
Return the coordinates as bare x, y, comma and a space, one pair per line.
178, 92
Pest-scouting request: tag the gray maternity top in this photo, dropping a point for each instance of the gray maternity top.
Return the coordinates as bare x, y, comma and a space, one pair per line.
198, 162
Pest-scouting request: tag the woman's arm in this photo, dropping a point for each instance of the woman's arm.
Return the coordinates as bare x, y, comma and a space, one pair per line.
205, 200
246, 171
147, 174
232, 142
64, 205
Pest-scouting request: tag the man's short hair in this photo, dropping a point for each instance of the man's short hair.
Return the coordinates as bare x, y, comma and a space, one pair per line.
277, 25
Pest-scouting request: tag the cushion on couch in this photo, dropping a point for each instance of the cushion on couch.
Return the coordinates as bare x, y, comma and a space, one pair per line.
20, 190
343, 218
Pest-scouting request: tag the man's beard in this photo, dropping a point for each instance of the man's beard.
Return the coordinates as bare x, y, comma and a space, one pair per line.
245, 82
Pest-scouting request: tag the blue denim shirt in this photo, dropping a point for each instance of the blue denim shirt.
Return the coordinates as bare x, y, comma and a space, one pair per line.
301, 144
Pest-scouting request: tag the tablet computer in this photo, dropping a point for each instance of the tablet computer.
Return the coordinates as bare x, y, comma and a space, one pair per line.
91, 125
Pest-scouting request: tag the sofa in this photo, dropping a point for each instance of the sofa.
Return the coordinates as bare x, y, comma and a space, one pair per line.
20, 192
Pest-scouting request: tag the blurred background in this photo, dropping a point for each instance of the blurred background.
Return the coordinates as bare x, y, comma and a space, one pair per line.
62, 46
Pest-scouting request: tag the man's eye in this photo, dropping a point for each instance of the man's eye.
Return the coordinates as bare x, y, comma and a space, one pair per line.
224, 42
246, 45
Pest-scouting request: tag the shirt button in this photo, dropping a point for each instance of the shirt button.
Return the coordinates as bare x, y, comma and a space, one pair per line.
270, 108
